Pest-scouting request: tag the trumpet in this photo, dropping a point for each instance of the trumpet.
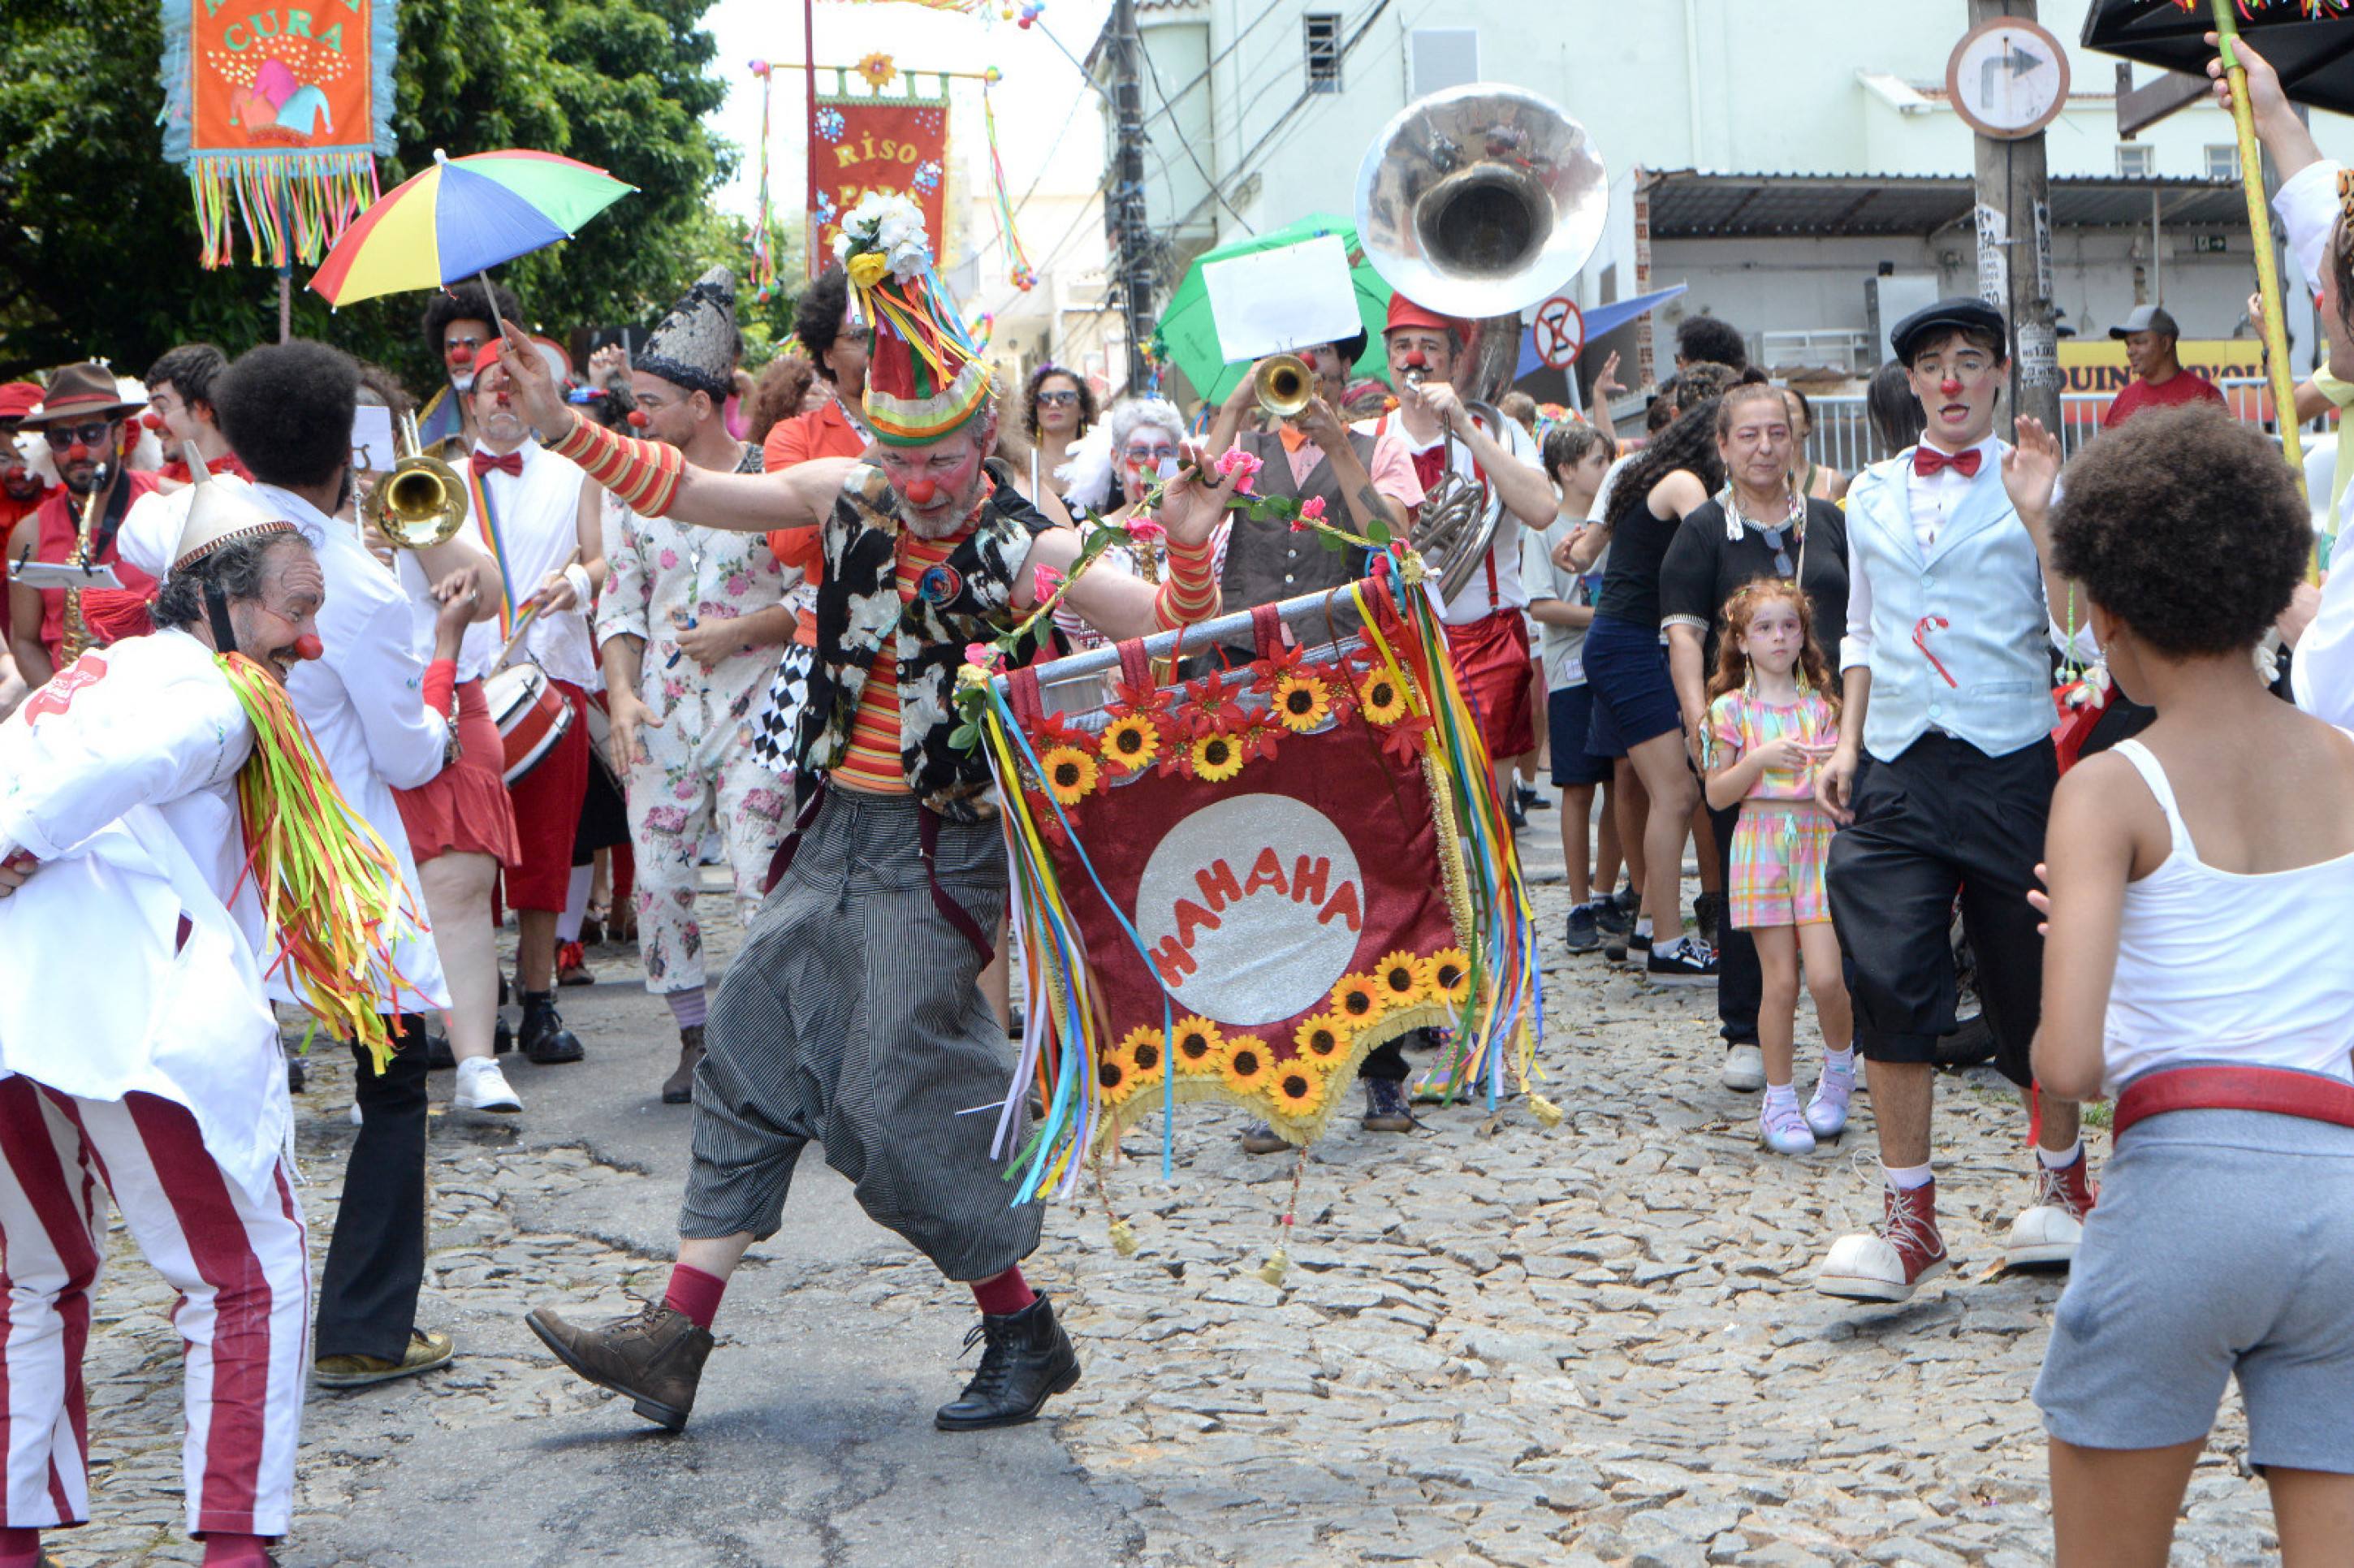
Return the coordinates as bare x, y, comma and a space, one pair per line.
76, 639
1283, 384
422, 501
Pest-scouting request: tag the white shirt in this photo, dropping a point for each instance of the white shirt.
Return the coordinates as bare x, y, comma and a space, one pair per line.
1485, 594
478, 646
2209, 967
1932, 499
2323, 673
121, 776
365, 701
538, 518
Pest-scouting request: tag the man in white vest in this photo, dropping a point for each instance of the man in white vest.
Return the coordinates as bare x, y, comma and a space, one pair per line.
1941, 777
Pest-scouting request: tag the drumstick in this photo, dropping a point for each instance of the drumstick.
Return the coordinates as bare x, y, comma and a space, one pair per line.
523, 622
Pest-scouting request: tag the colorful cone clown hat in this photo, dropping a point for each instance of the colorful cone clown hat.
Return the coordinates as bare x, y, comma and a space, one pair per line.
219, 514
695, 346
924, 378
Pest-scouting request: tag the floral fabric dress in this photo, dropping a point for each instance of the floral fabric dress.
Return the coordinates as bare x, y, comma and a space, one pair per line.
700, 773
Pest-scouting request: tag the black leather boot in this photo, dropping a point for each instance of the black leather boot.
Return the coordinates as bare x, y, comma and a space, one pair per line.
654, 1357
546, 1042
678, 1089
1026, 1360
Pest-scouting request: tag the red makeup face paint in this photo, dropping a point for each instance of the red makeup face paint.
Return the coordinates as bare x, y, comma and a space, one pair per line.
77, 453
1950, 388
460, 353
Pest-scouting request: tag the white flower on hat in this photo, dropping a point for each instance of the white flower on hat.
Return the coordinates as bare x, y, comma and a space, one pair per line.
891, 227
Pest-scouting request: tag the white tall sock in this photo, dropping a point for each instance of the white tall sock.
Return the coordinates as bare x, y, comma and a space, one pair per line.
576, 904
2062, 1160
1907, 1178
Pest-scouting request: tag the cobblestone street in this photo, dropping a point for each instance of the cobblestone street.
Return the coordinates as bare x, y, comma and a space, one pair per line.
1498, 1343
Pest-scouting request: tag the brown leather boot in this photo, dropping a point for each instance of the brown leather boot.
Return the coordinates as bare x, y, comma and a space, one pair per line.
654, 1357
678, 1089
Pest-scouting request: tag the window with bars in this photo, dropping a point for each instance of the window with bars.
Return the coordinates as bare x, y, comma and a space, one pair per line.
1321, 33
2224, 162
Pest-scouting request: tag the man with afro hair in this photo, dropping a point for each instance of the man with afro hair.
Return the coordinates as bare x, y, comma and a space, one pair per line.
458, 326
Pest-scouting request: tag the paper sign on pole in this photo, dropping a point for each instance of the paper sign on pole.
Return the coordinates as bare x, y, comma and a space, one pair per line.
1281, 301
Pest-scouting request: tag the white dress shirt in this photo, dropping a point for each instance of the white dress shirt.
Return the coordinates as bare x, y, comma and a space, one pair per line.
131, 962
365, 701
537, 515
2323, 674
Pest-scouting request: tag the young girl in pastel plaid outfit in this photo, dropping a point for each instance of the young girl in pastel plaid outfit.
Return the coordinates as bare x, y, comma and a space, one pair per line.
1771, 724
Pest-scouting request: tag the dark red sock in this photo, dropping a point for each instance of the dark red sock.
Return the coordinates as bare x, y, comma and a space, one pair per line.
1003, 1295
19, 1548
694, 1293
223, 1550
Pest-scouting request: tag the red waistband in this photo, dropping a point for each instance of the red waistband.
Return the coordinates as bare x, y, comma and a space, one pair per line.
2282, 1091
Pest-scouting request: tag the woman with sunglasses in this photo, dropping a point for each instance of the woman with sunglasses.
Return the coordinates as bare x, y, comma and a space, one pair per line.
1109, 474
1759, 524
1058, 409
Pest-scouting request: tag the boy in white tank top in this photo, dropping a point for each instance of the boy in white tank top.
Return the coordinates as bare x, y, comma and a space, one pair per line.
2201, 877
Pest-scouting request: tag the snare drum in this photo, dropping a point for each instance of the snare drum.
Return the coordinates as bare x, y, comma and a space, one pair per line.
531, 713
601, 730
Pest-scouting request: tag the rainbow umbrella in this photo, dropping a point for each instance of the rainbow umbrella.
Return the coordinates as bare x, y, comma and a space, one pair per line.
461, 217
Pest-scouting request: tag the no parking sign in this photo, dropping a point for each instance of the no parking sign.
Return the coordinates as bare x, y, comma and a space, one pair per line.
1560, 332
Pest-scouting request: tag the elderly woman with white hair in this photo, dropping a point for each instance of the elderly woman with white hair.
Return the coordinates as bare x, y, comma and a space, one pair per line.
1107, 475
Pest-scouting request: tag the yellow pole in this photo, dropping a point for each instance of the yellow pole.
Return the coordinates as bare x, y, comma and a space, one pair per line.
2260, 229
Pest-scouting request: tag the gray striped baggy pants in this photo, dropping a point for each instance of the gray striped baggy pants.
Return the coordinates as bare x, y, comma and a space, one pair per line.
853, 1017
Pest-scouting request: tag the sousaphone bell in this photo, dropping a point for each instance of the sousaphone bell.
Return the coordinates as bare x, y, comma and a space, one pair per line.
1478, 202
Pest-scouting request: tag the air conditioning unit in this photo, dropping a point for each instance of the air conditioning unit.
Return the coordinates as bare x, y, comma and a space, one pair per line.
1889, 298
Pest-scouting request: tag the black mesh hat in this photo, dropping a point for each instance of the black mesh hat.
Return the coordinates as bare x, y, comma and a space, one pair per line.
695, 346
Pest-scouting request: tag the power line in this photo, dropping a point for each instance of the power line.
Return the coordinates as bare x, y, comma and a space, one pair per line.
1187, 142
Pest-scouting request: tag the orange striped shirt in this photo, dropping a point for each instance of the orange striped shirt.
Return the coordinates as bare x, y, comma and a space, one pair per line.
871, 762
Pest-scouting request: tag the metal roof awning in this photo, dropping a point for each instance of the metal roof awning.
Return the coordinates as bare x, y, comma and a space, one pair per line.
1687, 203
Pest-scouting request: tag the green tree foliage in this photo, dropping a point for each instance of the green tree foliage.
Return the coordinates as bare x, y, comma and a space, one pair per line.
98, 239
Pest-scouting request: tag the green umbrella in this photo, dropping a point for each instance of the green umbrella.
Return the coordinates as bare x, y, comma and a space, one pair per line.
1187, 337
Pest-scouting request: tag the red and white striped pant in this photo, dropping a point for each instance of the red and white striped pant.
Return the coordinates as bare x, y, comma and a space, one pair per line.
243, 1271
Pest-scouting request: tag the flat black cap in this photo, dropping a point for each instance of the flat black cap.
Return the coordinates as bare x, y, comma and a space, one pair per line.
1962, 311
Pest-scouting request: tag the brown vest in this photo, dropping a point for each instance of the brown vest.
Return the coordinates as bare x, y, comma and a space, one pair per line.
1267, 562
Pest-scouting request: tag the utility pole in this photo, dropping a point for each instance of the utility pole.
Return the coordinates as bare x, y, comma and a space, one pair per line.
2014, 221
1130, 243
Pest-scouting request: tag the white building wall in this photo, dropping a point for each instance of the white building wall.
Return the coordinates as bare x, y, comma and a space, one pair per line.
1832, 87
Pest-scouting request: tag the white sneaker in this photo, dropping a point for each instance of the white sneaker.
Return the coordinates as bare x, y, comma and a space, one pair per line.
1827, 1112
2048, 1232
1783, 1127
482, 1088
1744, 1069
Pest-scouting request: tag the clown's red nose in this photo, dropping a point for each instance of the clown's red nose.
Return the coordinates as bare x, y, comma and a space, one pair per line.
77, 453
308, 646
1416, 360
638, 418
460, 353
1950, 388
152, 419
922, 491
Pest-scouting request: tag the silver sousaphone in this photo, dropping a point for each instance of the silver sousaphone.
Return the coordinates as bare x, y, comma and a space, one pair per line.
1478, 202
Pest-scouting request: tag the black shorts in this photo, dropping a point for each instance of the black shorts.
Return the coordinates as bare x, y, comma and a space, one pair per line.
1569, 717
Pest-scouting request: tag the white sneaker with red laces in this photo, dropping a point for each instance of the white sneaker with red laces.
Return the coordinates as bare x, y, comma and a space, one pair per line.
2048, 1232
1885, 1264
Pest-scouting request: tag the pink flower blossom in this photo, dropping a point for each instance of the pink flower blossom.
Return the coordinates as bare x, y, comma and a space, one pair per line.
1312, 509
1045, 581
1145, 531
669, 559
985, 656
1242, 466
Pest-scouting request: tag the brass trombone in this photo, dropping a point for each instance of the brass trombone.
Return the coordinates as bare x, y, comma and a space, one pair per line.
421, 503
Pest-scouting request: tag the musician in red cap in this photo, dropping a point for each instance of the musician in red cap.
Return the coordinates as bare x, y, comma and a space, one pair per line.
1495, 469
543, 523
83, 418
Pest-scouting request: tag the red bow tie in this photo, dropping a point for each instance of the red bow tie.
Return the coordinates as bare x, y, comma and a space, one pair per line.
1926, 460
512, 464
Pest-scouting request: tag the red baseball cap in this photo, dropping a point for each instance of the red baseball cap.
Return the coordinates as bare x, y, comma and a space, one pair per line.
18, 399
1404, 313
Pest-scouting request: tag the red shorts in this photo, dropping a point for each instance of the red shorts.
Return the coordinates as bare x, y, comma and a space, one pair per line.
547, 813
463, 809
1492, 664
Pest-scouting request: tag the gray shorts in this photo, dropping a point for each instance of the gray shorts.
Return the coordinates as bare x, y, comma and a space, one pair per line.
853, 1017
2223, 1244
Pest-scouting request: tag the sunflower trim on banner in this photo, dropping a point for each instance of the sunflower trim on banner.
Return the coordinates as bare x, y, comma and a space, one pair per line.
279, 114
1234, 887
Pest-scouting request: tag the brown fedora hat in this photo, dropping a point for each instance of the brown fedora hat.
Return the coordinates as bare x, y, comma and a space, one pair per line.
81, 392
